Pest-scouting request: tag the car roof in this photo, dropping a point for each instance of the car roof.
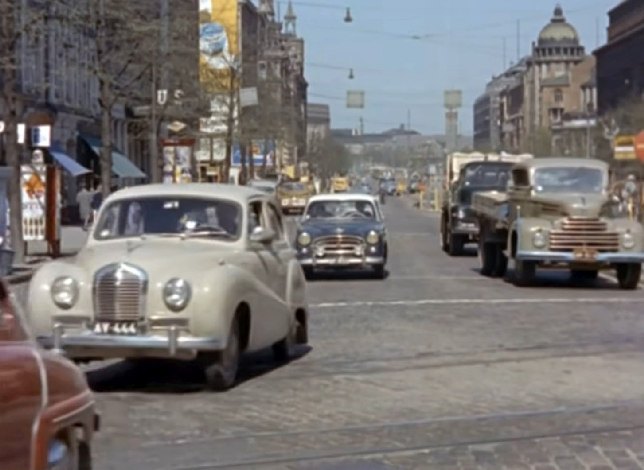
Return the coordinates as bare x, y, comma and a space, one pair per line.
550, 162
206, 190
342, 197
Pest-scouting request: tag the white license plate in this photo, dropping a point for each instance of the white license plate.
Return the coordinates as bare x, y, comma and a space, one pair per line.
116, 328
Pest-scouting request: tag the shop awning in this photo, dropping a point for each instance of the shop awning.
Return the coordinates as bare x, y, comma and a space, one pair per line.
122, 167
68, 163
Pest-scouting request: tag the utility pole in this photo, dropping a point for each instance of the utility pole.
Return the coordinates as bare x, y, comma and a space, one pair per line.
518, 41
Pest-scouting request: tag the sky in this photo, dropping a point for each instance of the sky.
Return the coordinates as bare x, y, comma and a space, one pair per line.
459, 44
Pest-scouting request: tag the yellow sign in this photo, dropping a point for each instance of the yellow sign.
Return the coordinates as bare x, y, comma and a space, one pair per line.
624, 147
218, 44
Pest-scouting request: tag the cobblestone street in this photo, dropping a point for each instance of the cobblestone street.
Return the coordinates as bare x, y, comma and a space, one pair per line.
436, 367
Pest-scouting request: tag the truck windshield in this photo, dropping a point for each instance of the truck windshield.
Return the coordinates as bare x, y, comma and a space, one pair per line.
487, 176
569, 180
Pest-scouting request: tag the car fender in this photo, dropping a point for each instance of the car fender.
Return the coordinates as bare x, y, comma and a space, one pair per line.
296, 287
523, 227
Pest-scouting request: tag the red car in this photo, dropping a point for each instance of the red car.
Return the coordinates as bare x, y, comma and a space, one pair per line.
47, 412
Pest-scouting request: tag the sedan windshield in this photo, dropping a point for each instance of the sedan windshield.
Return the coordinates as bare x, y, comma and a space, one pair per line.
568, 180
341, 210
169, 216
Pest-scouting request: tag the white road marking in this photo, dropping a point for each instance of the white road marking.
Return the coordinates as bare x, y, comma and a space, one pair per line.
416, 303
438, 278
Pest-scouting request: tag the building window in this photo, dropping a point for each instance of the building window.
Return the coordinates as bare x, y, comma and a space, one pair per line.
558, 96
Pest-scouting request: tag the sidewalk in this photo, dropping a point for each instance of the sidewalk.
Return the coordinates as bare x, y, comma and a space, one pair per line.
72, 240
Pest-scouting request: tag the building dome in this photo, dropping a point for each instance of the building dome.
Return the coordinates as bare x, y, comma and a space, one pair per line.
558, 30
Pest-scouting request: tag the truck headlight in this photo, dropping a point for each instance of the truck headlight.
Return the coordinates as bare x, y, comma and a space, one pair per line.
64, 292
460, 214
628, 241
373, 237
304, 239
539, 239
176, 294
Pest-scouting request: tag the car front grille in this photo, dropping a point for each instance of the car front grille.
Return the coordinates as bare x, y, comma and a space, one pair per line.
120, 292
584, 233
340, 245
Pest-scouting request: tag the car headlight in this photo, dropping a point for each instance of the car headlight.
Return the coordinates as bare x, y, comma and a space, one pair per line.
64, 292
304, 239
539, 239
373, 237
176, 294
628, 241
460, 214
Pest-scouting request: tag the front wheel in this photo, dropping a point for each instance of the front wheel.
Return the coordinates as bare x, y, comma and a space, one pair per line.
456, 244
222, 374
487, 257
379, 271
524, 272
629, 275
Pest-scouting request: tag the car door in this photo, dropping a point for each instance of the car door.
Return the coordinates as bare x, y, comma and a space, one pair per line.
283, 252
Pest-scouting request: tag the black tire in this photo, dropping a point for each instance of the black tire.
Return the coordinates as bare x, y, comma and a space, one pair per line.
84, 456
309, 273
222, 374
379, 271
487, 257
456, 245
524, 273
282, 349
584, 276
444, 239
629, 275
501, 262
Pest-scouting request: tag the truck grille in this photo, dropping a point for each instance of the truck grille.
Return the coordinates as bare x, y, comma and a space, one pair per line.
340, 245
584, 233
120, 292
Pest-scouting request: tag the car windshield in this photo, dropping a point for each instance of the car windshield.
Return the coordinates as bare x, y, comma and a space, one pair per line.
341, 210
293, 187
568, 180
169, 216
488, 176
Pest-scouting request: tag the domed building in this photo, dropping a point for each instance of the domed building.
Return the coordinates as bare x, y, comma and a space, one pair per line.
559, 82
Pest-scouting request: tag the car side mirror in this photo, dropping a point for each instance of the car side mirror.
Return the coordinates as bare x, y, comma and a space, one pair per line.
262, 235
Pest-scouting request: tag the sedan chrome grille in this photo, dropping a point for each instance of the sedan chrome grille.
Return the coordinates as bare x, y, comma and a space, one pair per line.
584, 233
120, 292
339, 245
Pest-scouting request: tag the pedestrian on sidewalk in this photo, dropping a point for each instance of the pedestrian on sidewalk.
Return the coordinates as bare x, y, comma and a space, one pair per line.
84, 200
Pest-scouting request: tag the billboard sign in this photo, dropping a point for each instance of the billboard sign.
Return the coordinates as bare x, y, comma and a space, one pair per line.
218, 43
624, 146
355, 99
453, 99
34, 206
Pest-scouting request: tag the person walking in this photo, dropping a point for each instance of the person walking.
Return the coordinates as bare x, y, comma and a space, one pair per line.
84, 200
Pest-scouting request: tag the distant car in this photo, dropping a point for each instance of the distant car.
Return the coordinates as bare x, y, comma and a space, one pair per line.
199, 272
342, 231
47, 413
361, 189
293, 196
267, 186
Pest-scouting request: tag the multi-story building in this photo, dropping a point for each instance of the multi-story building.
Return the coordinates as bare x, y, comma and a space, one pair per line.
554, 85
487, 110
620, 63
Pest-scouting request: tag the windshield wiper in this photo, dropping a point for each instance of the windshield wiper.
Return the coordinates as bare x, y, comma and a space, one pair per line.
208, 232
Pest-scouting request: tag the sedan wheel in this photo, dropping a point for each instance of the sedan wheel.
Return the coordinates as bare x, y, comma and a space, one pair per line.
379, 271
629, 275
222, 375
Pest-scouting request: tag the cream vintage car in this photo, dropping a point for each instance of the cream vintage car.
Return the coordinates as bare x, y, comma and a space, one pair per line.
199, 272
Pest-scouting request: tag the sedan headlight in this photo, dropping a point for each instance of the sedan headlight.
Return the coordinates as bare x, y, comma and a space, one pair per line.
304, 239
539, 239
64, 292
373, 238
176, 294
628, 241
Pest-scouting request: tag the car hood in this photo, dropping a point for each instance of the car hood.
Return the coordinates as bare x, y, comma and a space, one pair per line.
573, 204
317, 228
154, 254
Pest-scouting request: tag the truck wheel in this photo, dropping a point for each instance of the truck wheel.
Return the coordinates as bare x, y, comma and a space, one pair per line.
524, 272
501, 262
444, 240
487, 256
456, 244
628, 275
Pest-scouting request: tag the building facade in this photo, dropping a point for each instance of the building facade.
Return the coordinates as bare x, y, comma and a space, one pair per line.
620, 63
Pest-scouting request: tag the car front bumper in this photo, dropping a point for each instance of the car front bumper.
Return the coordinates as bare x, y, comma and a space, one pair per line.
170, 342
466, 228
342, 262
572, 258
